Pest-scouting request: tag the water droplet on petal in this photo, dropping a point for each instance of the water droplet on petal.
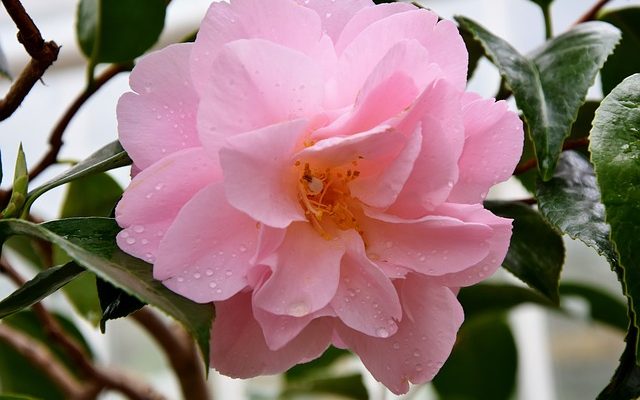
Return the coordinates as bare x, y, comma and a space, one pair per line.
298, 310
382, 332
228, 273
396, 345
389, 244
124, 234
144, 241
197, 275
130, 240
213, 285
242, 248
208, 272
138, 228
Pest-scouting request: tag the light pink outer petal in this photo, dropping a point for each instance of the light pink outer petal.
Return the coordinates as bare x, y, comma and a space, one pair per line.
441, 39
306, 272
259, 174
493, 145
205, 254
154, 197
161, 117
432, 245
239, 350
335, 14
253, 84
366, 300
498, 244
279, 21
424, 339
366, 17
438, 113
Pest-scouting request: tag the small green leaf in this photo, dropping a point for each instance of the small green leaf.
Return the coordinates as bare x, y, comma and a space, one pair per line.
115, 31
483, 363
317, 367
115, 303
109, 157
20, 187
603, 307
347, 387
91, 243
625, 60
570, 201
478, 300
536, 253
615, 152
551, 84
41, 286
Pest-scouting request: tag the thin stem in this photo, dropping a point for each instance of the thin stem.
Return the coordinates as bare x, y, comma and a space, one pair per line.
592, 12
181, 352
548, 26
568, 145
42, 53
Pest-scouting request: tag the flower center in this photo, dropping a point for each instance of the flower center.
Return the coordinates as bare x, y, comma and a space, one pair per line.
325, 193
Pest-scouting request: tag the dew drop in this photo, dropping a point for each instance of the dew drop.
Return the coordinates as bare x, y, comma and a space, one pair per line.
149, 195
213, 285
389, 244
228, 273
218, 291
180, 279
419, 367
208, 272
130, 240
242, 248
328, 15
197, 275
396, 345
159, 186
138, 228
422, 258
382, 332
124, 234
144, 241
416, 353
298, 310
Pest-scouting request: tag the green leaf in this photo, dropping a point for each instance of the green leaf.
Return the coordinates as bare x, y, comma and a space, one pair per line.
18, 375
536, 253
317, 367
91, 243
625, 60
109, 157
603, 307
115, 31
625, 383
20, 187
348, 387
483, 363
551, 84
570, 201
478, 300
15, 397
474, 48
96, 196
41, 286
115, 303
615, 153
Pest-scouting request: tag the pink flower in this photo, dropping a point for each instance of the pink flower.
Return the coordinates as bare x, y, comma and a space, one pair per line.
316, 169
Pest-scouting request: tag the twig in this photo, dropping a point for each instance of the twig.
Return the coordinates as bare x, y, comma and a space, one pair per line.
532, 162
55, 138
181, 352
592, 12
42, 53
102, 378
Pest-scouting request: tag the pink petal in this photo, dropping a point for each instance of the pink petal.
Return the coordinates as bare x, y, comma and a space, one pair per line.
269, 239
160, 118
259, 174
253, 84
438, 113
155, 196
382, 189
492, 148
206, 252
432, 245
365, 17
239, 350
335, 14
305, 275
365, 300
423, 342
296, 27
498, 244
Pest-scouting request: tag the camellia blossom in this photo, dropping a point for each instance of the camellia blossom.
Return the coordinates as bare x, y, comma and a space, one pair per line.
316, 169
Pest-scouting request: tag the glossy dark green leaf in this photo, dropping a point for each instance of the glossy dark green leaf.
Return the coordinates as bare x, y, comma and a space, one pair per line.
483, 363
543, 3
18, 375
603, 307
550, 85
107, 158
625, 383
115, 31
91, 243
481, 299
20, 187
570, 201
345, 387
115, 303
536, 253
475, 50
615, 153
41, 286
89, 196
625, 60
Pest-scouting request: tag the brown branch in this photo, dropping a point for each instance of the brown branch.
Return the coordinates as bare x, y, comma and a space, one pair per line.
568, 145
55, 138
42, 53
181, 352
102, 378
592, 12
